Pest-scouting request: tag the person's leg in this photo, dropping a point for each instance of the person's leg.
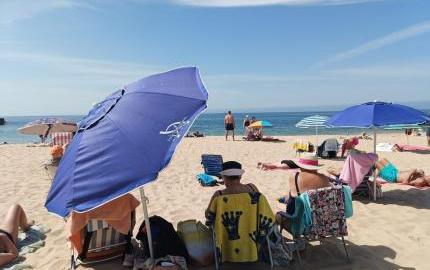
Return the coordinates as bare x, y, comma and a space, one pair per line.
428, 140
15, 218
226, 134
232, 132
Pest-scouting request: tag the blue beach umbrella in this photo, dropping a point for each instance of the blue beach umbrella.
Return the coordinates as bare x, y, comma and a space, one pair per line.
376, 115
126, 140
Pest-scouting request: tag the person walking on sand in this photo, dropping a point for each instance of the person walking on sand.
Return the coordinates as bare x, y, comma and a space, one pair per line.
229, 124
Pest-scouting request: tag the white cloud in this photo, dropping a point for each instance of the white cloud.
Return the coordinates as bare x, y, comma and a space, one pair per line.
395, 71
15, 10
406, 33
240, 3
91, 70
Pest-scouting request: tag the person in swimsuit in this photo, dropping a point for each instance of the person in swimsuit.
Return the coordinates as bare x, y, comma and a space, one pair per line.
285, 165
231, 175
15, 218
307, 179
229, 124
387, 171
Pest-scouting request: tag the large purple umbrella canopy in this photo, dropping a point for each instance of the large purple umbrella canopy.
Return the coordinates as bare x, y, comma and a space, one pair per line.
377, 114
126, 140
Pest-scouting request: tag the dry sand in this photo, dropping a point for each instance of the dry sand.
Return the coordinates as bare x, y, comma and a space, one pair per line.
393, 233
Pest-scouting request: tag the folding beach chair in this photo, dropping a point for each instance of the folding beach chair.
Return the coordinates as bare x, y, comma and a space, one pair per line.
328, 148
212, 164
101, 242
327, 214
241, 225
61, 138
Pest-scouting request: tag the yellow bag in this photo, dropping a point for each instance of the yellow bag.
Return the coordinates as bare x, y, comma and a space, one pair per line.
198, 241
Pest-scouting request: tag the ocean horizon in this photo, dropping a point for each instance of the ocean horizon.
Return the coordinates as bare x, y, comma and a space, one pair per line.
210, 124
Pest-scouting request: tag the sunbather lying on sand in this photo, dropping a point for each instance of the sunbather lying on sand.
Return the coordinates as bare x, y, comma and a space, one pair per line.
387, 171
285, 165
15, 218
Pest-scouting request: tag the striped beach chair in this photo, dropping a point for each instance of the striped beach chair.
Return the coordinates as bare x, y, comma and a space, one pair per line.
101, 242
61, 138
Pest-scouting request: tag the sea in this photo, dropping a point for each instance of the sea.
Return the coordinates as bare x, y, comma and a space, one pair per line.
210, 124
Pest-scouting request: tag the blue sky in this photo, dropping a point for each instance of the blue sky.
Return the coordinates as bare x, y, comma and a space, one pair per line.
60, 56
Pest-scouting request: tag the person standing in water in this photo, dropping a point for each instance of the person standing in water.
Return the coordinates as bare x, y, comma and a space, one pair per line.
229, 124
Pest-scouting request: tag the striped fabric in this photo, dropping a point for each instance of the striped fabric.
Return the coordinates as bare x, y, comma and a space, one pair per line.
313, 121
61, 138
104, 236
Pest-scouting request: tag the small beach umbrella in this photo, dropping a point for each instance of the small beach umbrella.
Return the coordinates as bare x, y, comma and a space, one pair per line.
316, 121
260, 124
376, 115
126, 140
46, 126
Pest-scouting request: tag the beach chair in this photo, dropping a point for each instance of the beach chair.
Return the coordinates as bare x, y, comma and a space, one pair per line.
101, 242
328, 148
325, 218
212, 164
61, 138
357, 171
240, 225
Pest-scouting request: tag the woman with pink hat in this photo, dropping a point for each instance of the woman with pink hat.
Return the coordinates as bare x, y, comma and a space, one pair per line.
307, 179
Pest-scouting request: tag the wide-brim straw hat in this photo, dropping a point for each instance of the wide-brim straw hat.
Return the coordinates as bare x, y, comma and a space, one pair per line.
232, 168
308, 161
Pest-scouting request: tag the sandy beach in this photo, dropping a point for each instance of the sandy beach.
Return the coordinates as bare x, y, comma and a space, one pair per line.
392, 233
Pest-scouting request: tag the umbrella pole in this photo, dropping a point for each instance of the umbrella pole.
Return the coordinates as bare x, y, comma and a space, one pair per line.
144, 200
374, 172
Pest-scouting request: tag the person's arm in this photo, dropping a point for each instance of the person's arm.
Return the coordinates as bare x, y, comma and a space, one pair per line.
11, 251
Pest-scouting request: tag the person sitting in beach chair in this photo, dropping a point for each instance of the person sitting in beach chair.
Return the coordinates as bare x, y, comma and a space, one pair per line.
355, 173
415, 177
349, 144
14, 220
240, 217
308, 178
103, 233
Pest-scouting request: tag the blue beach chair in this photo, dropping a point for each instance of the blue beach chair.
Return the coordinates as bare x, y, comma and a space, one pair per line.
212, 164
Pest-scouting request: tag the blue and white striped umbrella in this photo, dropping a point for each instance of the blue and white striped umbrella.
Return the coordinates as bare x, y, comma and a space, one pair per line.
315, 121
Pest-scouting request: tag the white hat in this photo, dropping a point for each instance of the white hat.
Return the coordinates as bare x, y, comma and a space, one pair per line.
232, 168
308, 161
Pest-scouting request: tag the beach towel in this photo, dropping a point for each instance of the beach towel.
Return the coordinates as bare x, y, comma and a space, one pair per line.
116, 213
413, 148
300, 145
384, 147
28, 242
241, 222
356, 166
329, 212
